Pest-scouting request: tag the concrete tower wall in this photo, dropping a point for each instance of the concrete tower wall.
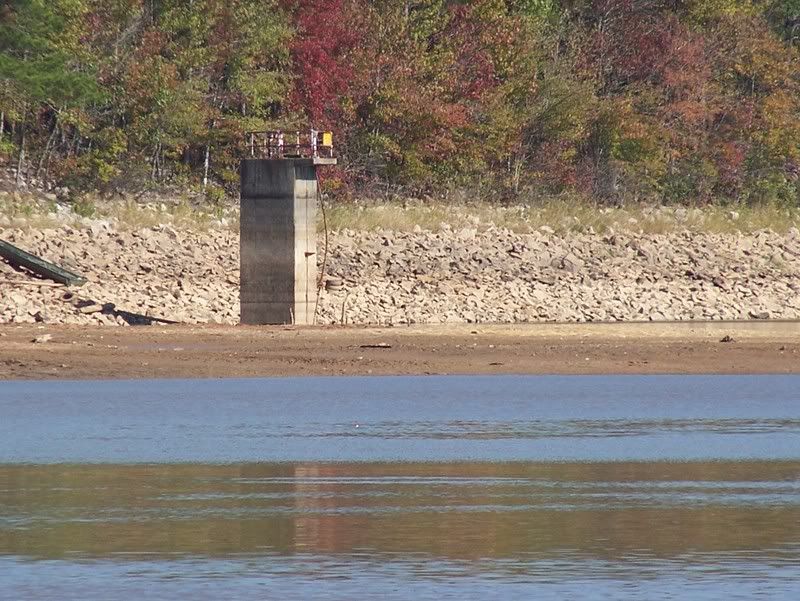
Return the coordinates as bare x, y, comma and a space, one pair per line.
278, 270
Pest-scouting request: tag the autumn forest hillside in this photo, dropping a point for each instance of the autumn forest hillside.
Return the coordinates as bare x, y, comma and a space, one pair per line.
618, 101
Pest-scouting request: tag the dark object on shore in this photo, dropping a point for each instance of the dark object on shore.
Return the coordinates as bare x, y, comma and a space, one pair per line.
19, 258
27, 283
334, 284
727, 338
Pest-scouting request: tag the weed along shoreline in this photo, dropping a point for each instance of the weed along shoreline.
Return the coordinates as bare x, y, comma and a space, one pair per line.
47, 352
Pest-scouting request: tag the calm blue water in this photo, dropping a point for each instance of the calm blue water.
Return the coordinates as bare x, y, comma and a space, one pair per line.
629, 487
482, 418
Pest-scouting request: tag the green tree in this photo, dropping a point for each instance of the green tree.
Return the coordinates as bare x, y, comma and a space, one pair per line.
39, 67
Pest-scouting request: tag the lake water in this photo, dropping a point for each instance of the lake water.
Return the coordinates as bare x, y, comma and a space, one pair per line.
619, 487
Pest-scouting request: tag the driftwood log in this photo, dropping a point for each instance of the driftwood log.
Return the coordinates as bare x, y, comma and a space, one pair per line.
19, 258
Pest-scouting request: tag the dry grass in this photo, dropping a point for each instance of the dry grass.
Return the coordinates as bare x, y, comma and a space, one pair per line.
563, 217
132, 216
26, 211
29, 211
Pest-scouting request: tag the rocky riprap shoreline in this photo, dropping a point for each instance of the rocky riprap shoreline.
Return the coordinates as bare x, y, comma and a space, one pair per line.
443, 276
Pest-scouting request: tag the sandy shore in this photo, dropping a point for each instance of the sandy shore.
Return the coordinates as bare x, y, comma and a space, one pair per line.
81, 352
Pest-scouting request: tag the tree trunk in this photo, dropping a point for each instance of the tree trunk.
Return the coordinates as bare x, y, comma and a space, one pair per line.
517, 173
21, 161
207, 158
2, 124
154, 161
155, 172
47, 163
206, 162
46, 153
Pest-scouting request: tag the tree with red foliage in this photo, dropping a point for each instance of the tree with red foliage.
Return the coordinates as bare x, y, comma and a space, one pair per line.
619, 100
324, 37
